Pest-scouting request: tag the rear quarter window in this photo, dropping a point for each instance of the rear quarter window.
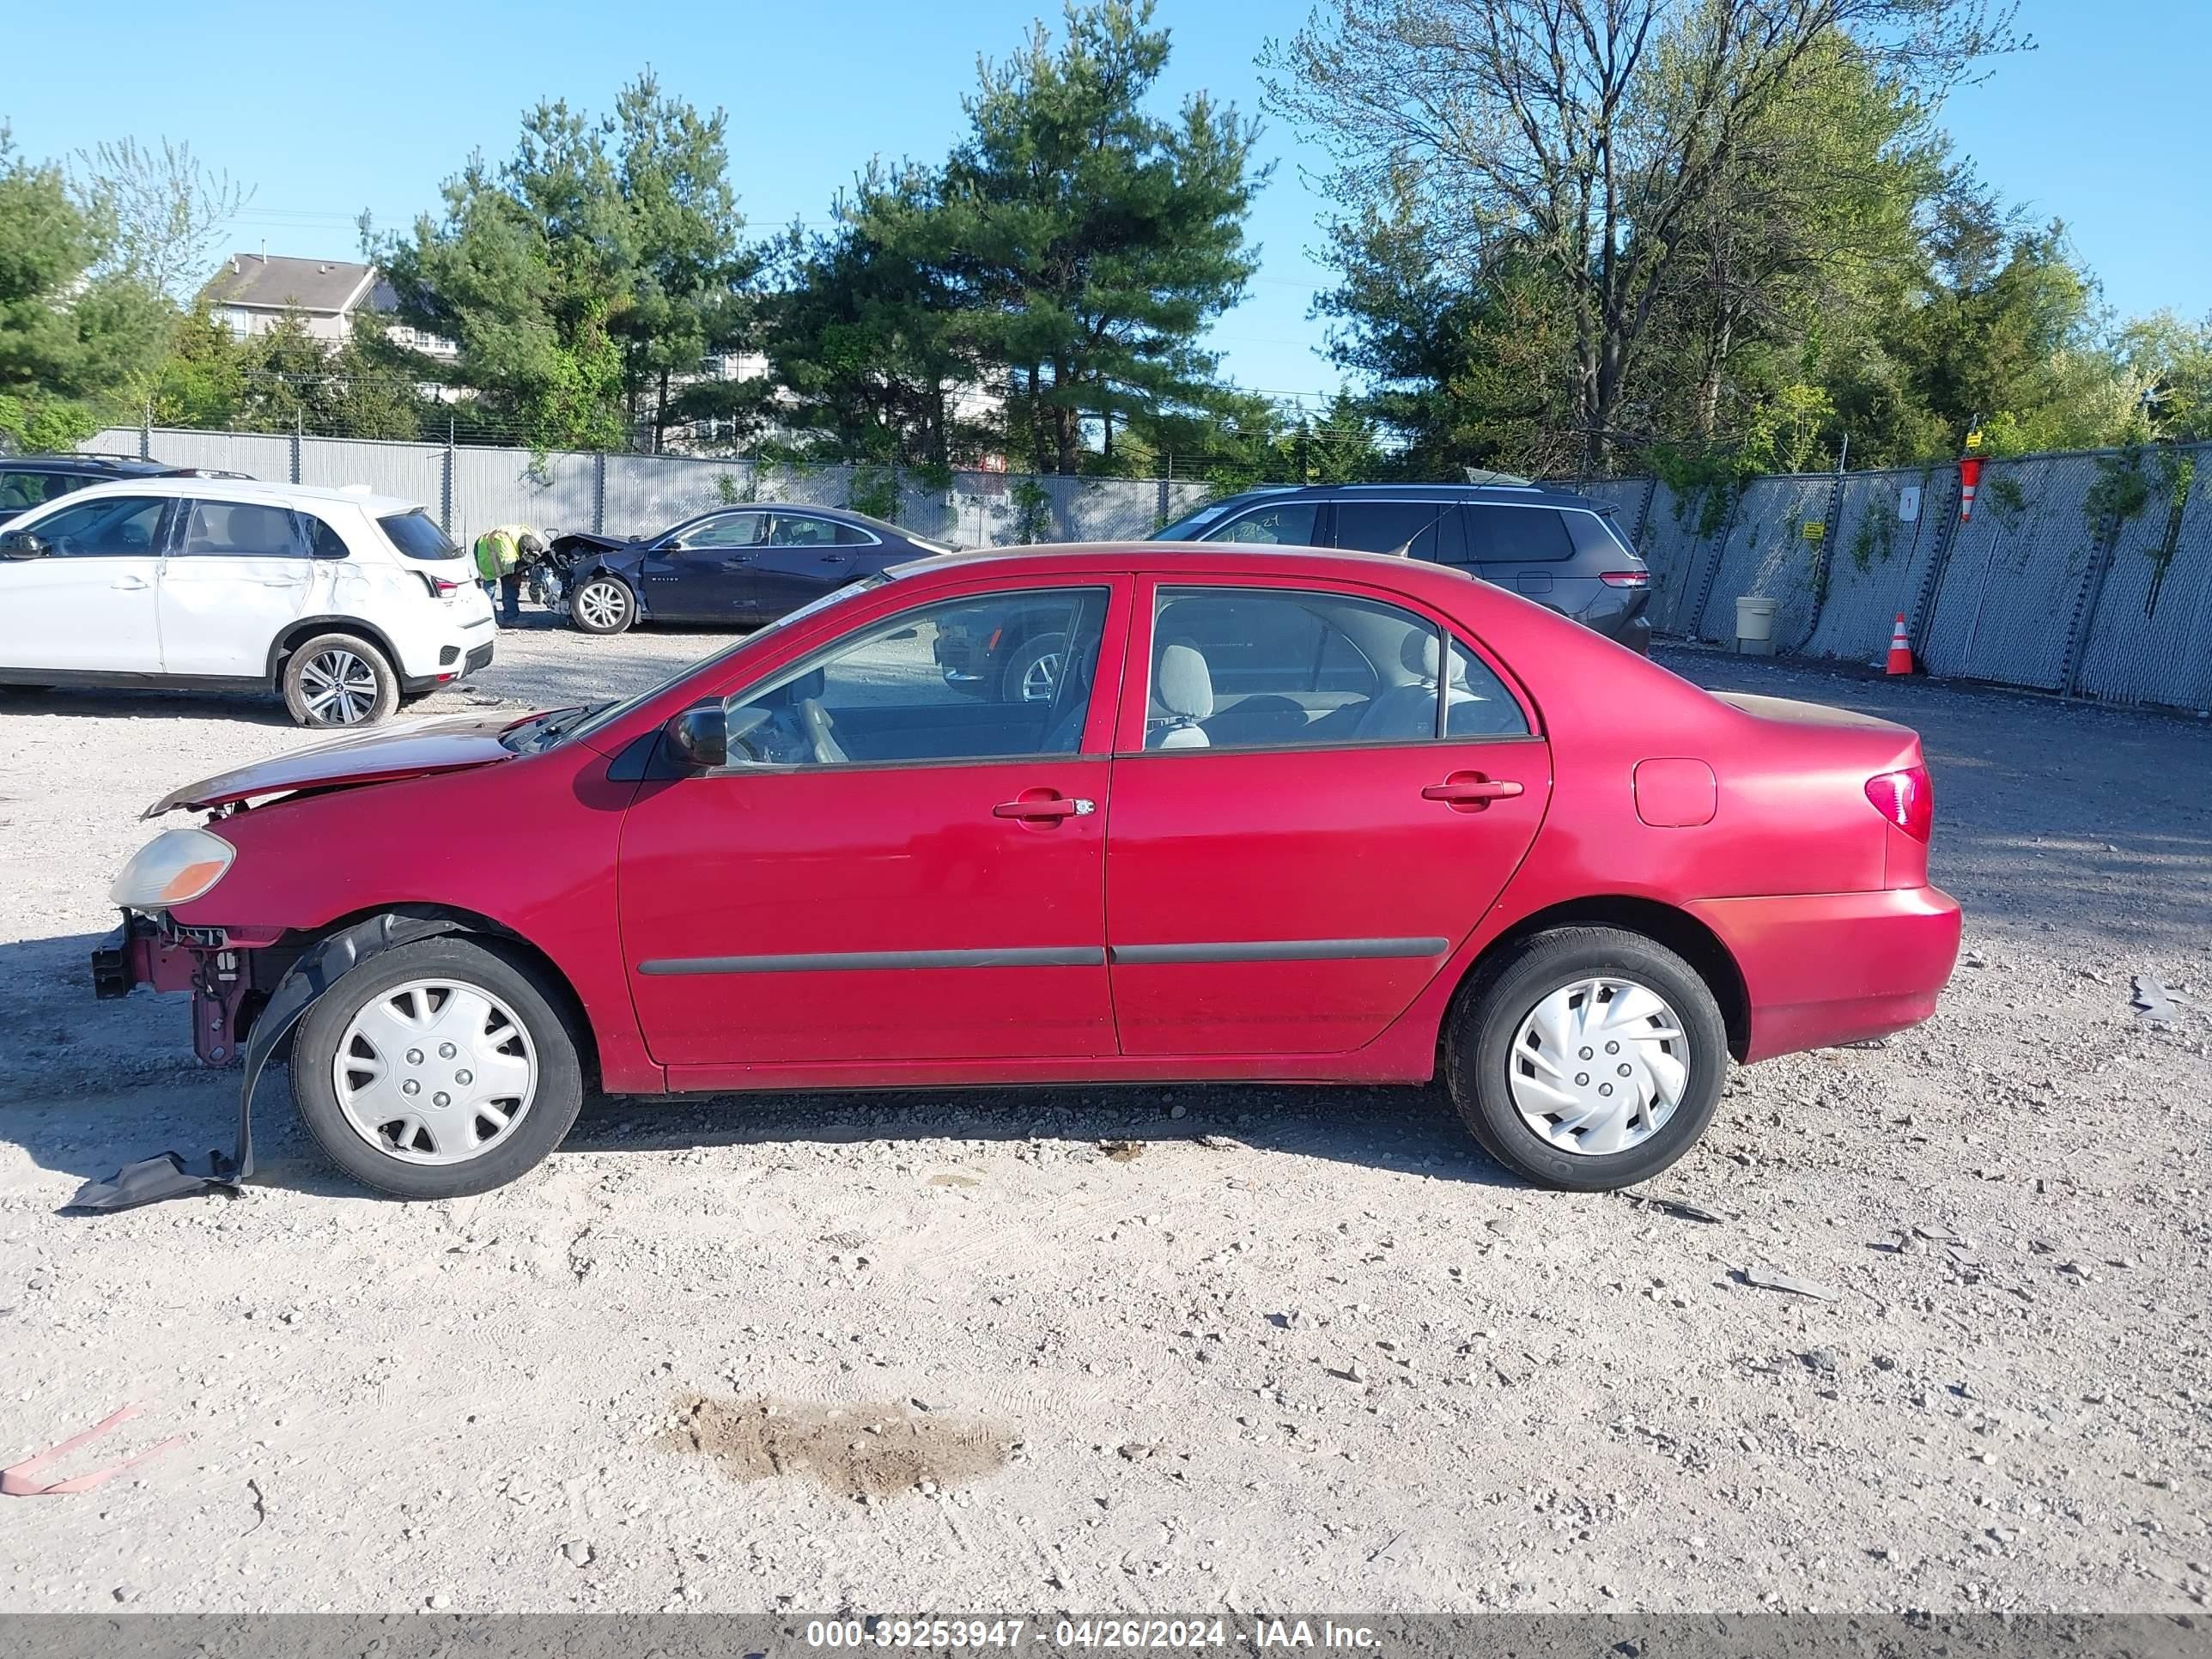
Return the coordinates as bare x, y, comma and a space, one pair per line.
418, 536
1518, 535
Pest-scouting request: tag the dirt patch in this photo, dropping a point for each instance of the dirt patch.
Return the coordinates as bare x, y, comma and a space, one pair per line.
864, 1450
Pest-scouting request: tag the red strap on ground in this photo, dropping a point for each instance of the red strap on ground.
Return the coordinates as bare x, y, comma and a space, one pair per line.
20, 1479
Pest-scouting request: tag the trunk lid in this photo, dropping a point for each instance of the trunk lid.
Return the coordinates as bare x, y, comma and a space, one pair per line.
448, 743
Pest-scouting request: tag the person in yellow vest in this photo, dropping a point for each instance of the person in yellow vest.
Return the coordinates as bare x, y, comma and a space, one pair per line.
499, 567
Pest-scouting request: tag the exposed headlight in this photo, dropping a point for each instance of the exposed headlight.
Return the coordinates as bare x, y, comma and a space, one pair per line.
175, 867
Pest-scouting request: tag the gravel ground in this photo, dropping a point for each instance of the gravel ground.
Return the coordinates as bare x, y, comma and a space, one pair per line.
1155, 1349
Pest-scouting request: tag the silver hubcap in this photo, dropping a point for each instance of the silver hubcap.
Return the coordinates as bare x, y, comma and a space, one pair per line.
435, 1072
1599, 1066
1039, 679
602, 604
339, 687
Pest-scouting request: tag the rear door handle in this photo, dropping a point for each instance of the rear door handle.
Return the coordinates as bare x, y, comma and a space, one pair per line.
1472, 789
131, 584
1045, 808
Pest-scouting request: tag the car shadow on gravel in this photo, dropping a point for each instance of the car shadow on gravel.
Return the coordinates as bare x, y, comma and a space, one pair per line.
248, 707
87, 1135
1412, 1131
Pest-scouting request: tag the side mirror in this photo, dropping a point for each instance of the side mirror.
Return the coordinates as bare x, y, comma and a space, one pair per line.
23, 545
700, 738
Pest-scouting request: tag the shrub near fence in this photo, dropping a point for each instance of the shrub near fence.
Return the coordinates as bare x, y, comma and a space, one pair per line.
2046, 588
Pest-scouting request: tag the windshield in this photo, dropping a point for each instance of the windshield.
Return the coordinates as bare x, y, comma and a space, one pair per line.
560, 724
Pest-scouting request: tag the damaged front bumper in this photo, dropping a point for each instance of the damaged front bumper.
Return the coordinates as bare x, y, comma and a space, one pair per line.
231, 976
249, 989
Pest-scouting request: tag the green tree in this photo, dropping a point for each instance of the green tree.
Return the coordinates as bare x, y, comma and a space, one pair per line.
1096, 240
1593, 143
288, 379
690, 290
71, 334
2171, 361
873, 333
598, 263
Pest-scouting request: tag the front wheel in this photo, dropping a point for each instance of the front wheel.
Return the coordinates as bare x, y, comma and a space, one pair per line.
1032, 672
438, 1069
602, 605
339, 679
1587, 1058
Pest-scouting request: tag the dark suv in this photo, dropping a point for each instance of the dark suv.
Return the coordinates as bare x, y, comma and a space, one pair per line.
29, 481
1561, 549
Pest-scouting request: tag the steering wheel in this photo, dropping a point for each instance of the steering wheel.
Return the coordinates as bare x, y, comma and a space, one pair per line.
821, 733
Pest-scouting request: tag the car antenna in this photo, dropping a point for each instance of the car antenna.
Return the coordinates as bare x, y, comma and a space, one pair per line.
1404, 550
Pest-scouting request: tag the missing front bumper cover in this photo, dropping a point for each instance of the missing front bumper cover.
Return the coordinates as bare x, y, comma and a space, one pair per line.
169, 1175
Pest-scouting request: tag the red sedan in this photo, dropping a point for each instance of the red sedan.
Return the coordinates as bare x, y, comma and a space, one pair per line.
1257, 815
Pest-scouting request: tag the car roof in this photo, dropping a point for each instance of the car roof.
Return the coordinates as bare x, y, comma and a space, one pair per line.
1231, 558
812, 509
253, 489
1512, 495
92, 462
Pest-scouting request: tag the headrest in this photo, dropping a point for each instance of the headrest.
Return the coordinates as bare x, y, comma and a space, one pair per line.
1419, 654
1184, 685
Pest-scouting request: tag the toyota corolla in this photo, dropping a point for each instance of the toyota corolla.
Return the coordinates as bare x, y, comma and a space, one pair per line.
1279, 816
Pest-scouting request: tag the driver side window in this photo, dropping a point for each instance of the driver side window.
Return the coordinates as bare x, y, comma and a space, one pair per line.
986, 677
113, 526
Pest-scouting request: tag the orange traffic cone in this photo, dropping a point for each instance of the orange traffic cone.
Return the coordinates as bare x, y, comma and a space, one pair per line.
1901, 651
1970, 479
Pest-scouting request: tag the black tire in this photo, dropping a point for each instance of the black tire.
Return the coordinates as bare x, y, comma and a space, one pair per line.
368, 689
1024, 659
519, 987
1479, 1052
609, 609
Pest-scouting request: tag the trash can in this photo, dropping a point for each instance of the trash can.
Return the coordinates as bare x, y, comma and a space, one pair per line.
1754, 626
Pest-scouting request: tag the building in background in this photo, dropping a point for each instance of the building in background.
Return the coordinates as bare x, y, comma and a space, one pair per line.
253, 291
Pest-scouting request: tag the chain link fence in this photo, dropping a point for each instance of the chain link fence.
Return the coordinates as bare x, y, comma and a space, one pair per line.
2088, 574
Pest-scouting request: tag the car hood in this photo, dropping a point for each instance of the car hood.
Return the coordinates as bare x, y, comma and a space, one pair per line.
449, 743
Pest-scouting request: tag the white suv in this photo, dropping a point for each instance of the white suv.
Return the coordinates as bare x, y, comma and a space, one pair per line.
341, 601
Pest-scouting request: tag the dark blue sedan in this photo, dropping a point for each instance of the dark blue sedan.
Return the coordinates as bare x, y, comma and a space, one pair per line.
736, 567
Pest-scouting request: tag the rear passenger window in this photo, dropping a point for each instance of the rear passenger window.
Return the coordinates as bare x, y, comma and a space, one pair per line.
1511, 535
1275, 668
1414, 528
243, 530
323, 542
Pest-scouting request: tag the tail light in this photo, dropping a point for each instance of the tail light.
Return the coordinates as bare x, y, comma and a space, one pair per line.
439, 586
1907, 798
1625, 578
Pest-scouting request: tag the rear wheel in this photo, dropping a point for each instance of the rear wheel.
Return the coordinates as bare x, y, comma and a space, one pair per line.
604, 604
438, 1069
339, 679
1587, 1058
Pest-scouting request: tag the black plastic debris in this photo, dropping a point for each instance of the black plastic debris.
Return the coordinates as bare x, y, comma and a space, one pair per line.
151, 1180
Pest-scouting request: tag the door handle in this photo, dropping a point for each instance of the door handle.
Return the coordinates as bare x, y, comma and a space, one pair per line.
131, 584
1045, 809
1470, 791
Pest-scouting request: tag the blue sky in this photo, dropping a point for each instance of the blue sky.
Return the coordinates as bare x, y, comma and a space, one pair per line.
327, 112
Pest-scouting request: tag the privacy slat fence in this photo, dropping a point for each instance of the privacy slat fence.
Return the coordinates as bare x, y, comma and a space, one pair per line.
2060, 582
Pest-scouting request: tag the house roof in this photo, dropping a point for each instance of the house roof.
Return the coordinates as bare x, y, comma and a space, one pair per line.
325, 286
